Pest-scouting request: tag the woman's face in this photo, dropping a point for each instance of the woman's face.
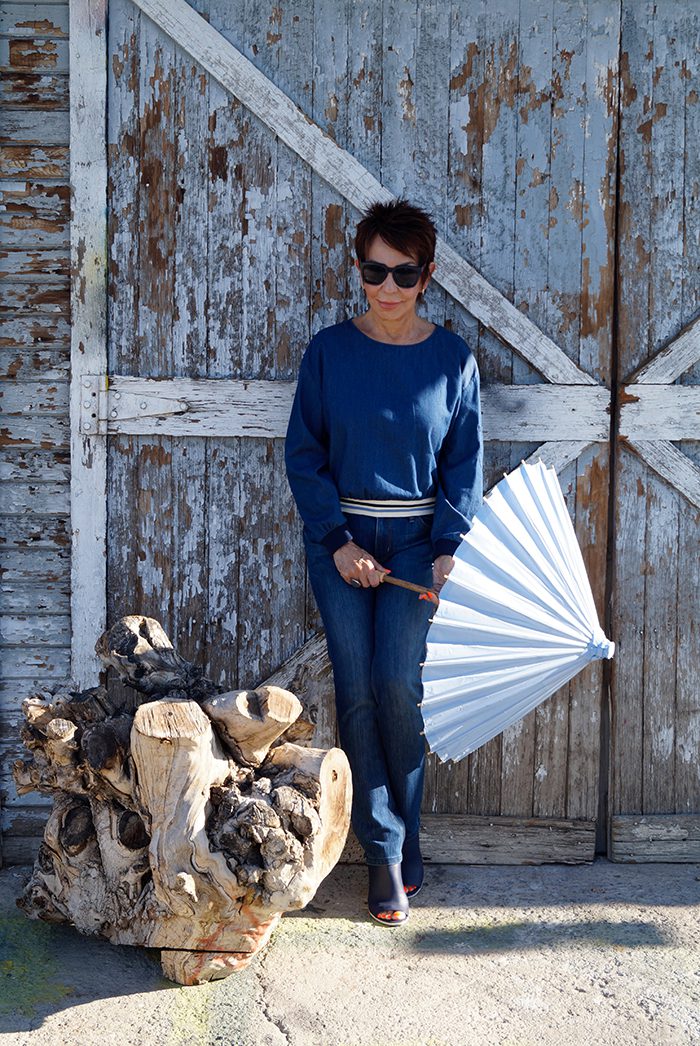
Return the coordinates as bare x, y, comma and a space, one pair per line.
388, 301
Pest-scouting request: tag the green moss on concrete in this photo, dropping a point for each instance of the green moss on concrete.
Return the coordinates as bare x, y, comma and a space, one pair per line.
29, 974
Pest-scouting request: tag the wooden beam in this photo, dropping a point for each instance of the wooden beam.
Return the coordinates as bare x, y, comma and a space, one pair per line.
656, 412
88, 183
545, 412
233, 407
347, 176
655, 837
672, 465
677, 357
467, 839
558, 455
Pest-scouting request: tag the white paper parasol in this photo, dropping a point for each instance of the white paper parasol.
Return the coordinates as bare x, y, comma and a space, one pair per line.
516, 618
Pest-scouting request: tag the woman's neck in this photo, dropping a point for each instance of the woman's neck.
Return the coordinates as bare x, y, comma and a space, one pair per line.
403, 330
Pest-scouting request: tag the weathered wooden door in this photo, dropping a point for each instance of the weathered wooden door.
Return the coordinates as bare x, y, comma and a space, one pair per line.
229, 242
655, 738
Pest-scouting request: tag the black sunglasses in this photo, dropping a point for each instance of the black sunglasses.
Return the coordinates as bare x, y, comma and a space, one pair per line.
375, 273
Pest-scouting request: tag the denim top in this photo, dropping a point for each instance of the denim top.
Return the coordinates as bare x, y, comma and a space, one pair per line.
375, 420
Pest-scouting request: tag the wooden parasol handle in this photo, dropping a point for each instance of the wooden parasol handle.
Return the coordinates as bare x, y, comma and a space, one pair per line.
410, 585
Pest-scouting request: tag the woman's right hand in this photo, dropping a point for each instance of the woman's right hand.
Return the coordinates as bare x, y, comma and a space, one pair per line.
355, 564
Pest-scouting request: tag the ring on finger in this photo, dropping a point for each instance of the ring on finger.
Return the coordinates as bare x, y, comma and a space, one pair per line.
355, 582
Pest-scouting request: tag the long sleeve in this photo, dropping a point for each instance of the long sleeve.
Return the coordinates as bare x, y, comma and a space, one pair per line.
306, 459
460, 468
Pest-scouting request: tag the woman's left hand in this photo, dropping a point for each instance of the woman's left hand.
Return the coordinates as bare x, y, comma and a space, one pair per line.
441, 568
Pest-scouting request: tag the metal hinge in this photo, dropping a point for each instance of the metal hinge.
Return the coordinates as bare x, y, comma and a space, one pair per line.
105, 400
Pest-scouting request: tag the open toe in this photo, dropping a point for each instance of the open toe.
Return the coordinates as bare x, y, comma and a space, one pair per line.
386, 899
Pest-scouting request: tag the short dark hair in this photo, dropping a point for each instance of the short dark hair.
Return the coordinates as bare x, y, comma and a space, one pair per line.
402, 225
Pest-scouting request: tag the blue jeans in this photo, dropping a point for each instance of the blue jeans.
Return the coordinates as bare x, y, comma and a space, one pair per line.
376, 642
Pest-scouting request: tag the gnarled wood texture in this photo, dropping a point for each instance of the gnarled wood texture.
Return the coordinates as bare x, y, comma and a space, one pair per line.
175, 825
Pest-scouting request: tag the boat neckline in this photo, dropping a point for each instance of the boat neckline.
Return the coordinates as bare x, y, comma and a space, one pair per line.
394, 344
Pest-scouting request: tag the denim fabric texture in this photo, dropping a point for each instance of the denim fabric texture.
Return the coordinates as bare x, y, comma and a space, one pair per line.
376, 642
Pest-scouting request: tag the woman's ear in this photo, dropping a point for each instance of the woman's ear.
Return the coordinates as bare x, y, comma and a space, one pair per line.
426, 279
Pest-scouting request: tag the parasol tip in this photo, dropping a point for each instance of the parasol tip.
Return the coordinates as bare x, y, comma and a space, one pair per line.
599, 646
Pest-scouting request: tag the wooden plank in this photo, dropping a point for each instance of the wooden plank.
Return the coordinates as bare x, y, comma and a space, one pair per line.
30, 332
34, 398
660, 566
34, 465
24, 227
468, 839
34, 161
35, 430
25, 364
585, 691
660, 412
35, 21
672, 465
34, 90
296, 74
41, 265
217, 407
19, 850
50, 200
342, 171
661, 837
39, 299
491, 783
30, 532
35, 127
24, 819
635, 234
24, 567
558, 455
124, 187
88, 166
227, 189
687, 713
48, 599
36, 630
681, 353
25, 663
628, 633
34, 55
36, 499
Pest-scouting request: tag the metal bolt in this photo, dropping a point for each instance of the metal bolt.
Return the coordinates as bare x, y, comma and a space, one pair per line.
114, 414
86, 403
117, 395
142, 406
86, 426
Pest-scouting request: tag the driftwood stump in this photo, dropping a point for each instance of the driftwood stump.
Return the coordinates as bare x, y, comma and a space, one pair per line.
183, 819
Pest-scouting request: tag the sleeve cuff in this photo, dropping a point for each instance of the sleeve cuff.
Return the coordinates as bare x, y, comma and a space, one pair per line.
445, 547
337, 538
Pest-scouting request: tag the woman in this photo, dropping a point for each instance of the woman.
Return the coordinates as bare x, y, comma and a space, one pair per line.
384, 459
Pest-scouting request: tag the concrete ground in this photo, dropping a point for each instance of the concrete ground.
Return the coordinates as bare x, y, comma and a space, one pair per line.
513, 956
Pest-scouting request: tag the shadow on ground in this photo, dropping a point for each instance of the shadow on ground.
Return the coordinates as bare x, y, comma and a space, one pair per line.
462, 911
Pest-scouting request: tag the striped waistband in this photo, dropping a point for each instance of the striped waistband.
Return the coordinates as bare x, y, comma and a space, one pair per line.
387, 508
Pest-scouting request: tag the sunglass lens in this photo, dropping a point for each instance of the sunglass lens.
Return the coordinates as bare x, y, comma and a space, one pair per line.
406, 275
374, 273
